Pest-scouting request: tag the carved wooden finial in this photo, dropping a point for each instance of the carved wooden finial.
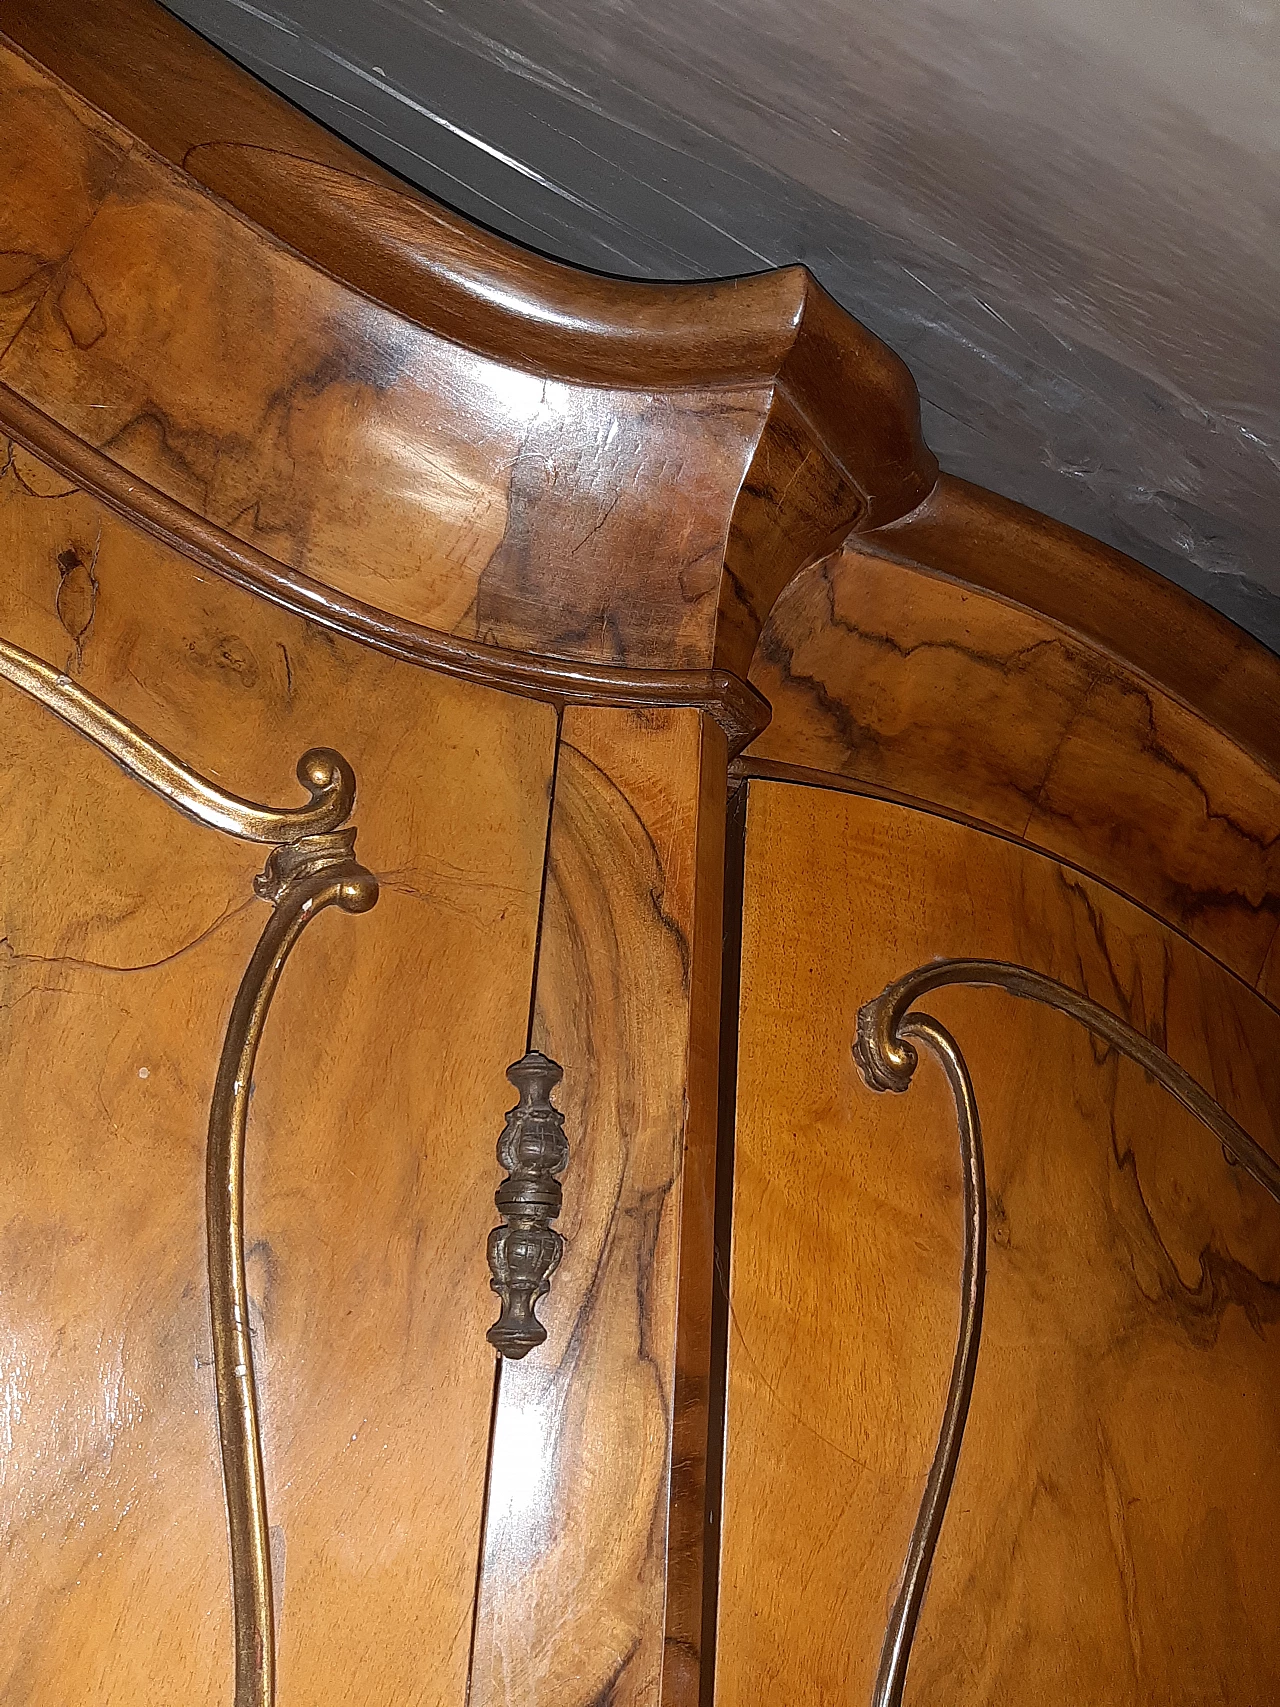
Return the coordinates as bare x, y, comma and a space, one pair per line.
523, 1252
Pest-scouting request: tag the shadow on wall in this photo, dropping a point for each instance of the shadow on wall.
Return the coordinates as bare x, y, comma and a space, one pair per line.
1063, 218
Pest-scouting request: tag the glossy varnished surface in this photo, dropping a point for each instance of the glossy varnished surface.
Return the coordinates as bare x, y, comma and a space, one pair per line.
886, 674
740, 711
394, 427
240, 309
590, 1583
200, 111
1108, 1536
377, 1096
1104, 597
59, 159
1060, 215
418, 414
399, 468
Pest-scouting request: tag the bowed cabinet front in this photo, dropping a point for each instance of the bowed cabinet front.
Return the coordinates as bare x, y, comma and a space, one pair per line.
479, 742
368, 1170
1105, 1535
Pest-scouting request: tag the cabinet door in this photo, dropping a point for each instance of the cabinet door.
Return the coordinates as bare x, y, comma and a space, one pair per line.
376, 1102
1110, 1536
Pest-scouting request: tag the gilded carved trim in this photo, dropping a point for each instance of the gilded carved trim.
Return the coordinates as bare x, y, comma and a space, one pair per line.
887, 1058
311, 867
326, 776
301, 879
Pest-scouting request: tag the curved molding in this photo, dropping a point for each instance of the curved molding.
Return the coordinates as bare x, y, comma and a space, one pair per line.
311, 867
740, 711
1130, 732
905, 1615
887, 1063
842, 409
325, 775
440, 271
886, 1057
835, 388
1111, 602
301, 881
197, 108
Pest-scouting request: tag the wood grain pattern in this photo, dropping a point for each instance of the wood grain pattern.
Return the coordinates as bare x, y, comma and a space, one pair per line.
1142, 785
591, 1578
1059, 316
1269, 977
886, 674
889, 675
446, 422
1109, 1533
370, 1168
332, 392
57, 159
1104, 598
738, 708
435, 423
403, 470
203, 113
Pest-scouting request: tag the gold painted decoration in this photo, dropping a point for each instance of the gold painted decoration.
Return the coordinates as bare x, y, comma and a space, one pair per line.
323, 773
301, 879
886, 1056
312, 867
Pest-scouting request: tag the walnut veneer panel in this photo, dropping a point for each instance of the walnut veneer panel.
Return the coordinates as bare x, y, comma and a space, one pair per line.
1145, 793
892, 676
1110, 1536
883, 673
1107, 600
462, 435
591, 1580
57, 159
397, 467
1269, 978
378, 1095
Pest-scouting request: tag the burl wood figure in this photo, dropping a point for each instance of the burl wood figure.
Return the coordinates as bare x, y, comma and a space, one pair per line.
423, 663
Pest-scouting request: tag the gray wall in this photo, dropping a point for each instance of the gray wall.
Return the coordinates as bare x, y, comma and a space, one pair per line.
1062, 213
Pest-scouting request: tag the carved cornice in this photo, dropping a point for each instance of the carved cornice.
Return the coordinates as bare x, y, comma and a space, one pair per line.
825, 434
1113, 603
824, 445
740, 711
198, 109
857, 397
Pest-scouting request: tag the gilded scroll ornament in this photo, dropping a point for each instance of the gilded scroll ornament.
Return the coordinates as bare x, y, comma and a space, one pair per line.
323, 773
311, 867
301, 879
887, 1058
525, 1250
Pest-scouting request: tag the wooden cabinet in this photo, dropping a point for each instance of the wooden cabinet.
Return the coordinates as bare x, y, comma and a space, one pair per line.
1104, 1537
677, 705
369, 1165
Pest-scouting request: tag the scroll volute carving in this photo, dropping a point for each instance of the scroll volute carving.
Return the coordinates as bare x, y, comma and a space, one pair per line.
885, 1053
525, 1250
